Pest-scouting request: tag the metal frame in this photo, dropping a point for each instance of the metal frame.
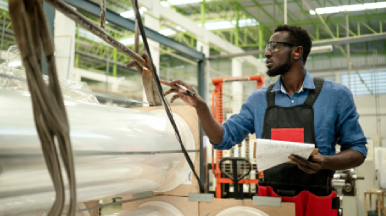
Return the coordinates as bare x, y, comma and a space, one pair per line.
116, 19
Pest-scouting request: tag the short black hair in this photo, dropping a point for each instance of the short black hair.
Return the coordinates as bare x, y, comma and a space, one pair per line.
298, 36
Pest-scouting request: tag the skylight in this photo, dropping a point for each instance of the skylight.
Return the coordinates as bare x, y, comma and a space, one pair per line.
342, 8
229, 24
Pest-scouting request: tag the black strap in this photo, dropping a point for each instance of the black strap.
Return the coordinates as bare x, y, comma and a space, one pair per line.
314, 93
335, 203
311, 98
270, 96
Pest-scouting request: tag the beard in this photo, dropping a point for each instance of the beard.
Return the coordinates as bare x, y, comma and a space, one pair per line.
281, 69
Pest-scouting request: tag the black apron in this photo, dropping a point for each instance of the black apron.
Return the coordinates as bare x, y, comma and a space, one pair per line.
287, 179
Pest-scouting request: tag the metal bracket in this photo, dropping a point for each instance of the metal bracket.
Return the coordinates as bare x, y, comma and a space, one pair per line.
144, 194
267, 201
201, 197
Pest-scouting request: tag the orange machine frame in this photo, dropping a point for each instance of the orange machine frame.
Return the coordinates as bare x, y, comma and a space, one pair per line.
217, 112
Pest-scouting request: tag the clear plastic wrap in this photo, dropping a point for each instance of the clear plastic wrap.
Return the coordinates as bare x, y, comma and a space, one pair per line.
152, 208
71, 90
242, 210
115, 153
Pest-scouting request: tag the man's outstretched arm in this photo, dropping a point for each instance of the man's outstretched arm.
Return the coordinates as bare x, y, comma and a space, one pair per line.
211, 127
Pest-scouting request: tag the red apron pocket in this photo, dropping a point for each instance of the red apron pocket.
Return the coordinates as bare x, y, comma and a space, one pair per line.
306, 203
318, 205
288, 134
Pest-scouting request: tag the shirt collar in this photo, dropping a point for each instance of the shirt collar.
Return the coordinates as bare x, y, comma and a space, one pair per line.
308, 83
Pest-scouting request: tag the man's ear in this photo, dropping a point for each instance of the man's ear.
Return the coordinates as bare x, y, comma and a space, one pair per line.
298, 52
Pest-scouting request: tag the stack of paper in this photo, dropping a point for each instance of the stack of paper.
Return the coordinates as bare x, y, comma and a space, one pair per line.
270, 153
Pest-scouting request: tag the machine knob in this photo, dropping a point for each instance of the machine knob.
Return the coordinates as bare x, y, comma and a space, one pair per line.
347, 187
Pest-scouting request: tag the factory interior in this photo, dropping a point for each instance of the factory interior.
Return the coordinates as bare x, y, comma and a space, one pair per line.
102, 107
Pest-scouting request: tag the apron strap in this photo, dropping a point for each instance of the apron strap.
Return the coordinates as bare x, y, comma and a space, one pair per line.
314, 93
270, 96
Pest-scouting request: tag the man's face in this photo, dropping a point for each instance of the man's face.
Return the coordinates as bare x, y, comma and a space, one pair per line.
280, 62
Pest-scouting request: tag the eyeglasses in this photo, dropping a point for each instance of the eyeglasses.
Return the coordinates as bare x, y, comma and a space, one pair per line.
275, 46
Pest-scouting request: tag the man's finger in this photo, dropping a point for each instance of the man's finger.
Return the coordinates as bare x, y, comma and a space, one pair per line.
174, 97
298, 159
306, 163
165, 83
306, 169
170, 91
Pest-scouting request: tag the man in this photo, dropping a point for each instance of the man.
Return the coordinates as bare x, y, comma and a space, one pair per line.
324, 112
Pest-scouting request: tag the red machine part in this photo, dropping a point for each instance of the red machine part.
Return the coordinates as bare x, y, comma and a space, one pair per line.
217, 112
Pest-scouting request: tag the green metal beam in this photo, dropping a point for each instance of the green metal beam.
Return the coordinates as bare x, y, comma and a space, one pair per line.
343, 52
237, 26
369, 28
290, 14
351, 32
261, 39
330, 21
265, 11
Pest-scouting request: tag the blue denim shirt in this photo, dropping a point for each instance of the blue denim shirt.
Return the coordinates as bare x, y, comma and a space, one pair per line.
336, 118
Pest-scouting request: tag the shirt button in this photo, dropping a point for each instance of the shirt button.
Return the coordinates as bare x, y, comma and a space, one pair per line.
293, 101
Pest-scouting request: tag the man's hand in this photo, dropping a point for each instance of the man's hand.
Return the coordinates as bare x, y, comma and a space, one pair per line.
193, 101
311, 166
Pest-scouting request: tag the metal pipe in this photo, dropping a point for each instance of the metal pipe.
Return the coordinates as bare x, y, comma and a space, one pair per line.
90, 26
107, 70
285, 12
103, 14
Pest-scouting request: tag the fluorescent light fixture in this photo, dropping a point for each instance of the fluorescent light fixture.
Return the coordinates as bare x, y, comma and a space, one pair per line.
321, 49
342, 8
229, 24
130, 14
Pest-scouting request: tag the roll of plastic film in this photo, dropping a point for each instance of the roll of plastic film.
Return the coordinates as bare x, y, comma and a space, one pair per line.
153, 208
122, 143
242, 210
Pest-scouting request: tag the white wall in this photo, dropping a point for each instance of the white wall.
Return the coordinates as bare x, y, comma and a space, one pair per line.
368, 120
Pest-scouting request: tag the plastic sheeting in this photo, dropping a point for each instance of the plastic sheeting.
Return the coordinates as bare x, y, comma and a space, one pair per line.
72, 90
153, 208
242, 210
115, 153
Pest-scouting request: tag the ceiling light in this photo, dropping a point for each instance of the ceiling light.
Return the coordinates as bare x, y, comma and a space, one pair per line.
321, 49
342, 8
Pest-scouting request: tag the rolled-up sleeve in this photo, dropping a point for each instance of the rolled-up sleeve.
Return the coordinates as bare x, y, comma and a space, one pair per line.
350, 132
238, 126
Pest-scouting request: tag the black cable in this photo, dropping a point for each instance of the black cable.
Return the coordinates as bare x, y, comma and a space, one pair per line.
160, 91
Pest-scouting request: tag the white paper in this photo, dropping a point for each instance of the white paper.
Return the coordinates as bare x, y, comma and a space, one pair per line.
270, 153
